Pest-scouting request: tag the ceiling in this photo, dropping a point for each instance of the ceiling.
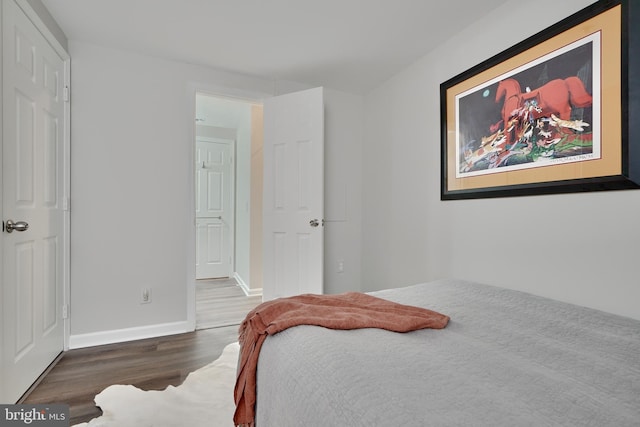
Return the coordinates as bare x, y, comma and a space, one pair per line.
349, 45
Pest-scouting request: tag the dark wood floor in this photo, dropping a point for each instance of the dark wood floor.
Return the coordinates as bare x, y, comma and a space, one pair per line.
150, 364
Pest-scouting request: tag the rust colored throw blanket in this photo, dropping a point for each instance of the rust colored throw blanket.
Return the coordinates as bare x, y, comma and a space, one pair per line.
351, 310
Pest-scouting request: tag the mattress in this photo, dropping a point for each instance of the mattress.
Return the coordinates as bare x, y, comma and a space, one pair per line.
506, 358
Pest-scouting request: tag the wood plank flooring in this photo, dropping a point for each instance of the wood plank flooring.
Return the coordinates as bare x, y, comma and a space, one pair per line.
221, 302
150, 364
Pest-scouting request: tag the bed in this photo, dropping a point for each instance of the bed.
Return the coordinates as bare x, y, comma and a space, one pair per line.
506, 358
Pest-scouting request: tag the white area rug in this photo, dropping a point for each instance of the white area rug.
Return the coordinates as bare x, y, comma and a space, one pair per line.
205, 398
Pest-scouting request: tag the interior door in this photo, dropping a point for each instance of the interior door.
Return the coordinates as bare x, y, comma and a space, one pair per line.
293, 198
32, 194
214, 207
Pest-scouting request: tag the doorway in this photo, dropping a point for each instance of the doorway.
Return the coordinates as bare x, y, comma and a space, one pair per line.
228, 209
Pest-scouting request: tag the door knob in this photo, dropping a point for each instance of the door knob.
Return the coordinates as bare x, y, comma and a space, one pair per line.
17, 226
315, 222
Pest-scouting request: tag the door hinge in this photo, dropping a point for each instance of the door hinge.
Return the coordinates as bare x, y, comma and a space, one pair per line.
65, 311
66, 204
66, 94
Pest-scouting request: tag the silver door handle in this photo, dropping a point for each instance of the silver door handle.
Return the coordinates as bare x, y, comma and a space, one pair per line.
315, 223
17, 226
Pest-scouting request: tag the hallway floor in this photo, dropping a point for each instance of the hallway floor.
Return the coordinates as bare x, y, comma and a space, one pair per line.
221, 302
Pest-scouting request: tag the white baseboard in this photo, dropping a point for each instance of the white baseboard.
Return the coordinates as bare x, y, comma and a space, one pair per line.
127, 334
247, 290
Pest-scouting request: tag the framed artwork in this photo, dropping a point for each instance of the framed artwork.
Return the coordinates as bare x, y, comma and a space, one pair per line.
555, 113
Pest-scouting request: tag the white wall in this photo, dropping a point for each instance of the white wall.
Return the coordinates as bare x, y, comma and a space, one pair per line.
580, 248
343, 189
132, 215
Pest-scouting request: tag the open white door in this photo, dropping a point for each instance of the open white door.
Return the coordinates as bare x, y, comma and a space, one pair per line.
33, 198
293, 199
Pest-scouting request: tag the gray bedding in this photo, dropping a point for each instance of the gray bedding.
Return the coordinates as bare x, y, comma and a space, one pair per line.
506, 359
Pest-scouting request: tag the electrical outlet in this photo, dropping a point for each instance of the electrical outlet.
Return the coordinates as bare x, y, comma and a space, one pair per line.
341, 266
145, 296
